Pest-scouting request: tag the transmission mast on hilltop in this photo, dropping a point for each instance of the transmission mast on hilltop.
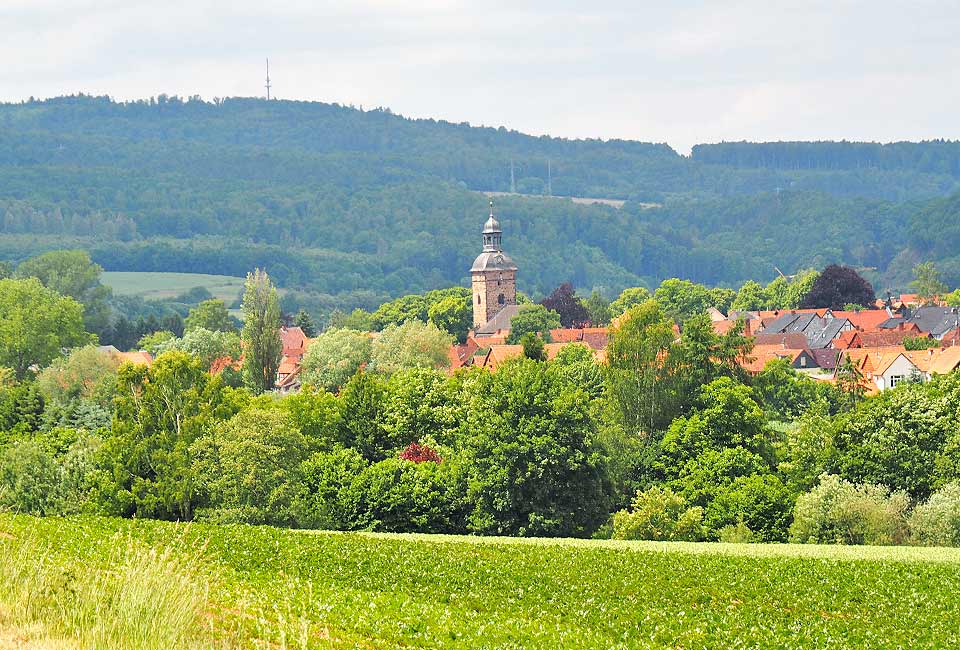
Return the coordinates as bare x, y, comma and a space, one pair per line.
267, 85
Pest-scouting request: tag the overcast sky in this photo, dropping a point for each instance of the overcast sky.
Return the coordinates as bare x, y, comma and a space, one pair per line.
675, 72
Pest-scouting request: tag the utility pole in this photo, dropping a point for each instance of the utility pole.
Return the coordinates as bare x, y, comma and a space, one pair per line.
513, 184
267, 85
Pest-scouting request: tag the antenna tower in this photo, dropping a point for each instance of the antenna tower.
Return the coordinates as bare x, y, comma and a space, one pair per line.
549, 178
513, 184
267, 85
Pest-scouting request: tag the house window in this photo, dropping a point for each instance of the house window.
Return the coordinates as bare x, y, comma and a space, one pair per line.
500, 299
803, 359
895, 379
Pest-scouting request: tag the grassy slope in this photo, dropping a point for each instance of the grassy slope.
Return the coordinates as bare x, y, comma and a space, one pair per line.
392, 590
170, 285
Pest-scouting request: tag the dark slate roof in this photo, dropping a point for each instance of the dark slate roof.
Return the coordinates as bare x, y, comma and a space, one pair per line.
826, 357
499, 322
493, 261
818, 331
820, 337
936, 320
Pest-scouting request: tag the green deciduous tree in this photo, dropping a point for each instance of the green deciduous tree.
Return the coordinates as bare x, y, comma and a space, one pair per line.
248, 470
73, 274
454, 315
206, 345
414, 344
85, 374
209, 315
334, 357
629, 298
36, 323
533, 319
927, 282
160, 412
533, 347
751, 297
534, 465
261, 332
636, 376
681, 299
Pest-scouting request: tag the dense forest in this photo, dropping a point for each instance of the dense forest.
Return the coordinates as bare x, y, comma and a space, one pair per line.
350, 207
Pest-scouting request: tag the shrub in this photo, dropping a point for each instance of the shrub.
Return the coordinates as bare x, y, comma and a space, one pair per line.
760, 502
402, 497
840, 512
327, 501
738, 533
937, 522
30, 479
659, 514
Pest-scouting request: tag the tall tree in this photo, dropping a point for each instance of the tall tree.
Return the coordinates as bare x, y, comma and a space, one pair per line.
262, 346
927, 282
837, 286
636, 370
73, 274
565, 302
36, 324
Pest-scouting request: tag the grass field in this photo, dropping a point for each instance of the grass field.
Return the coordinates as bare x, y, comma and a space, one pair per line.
169, 285
240, 586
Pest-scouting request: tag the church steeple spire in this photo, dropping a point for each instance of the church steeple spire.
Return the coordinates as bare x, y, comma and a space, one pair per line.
492, 235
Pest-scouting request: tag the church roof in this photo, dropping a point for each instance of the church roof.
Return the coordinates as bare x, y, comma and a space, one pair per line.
493, 261
492, 225
500, 322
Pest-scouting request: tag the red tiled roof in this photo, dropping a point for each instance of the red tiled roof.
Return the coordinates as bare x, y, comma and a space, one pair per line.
866, 319
593, 337
758, 358
140, 358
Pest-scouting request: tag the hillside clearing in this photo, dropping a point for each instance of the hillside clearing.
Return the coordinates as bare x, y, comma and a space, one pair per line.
384, 591
164, 286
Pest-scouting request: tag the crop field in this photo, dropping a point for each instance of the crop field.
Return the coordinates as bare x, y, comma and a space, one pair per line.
242, 586
164, 286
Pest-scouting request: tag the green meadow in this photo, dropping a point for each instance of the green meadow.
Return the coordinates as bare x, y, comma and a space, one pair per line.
165, 286
93, 582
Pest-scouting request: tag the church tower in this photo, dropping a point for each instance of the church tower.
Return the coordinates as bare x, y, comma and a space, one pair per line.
493, 276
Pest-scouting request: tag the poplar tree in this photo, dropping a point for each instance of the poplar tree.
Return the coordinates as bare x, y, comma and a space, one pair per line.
262, 346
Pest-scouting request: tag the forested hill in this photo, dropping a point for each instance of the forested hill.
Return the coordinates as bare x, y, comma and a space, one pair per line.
352, 207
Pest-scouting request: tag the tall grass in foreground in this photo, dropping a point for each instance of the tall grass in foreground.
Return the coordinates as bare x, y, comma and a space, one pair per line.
140, 598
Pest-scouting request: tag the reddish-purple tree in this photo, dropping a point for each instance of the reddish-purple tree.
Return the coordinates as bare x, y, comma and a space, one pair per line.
417, 453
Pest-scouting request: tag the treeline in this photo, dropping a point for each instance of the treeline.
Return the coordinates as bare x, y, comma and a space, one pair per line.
669, 440
931, 156
350, 208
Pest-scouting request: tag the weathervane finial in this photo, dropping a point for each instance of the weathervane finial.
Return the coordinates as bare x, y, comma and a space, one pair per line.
491, 207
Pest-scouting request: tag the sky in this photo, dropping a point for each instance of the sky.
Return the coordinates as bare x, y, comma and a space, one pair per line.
675, 72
